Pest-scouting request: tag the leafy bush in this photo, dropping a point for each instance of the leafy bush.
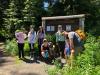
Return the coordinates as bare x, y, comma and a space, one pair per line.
11, 47
36, 48
51, 38
53, 71
26, 48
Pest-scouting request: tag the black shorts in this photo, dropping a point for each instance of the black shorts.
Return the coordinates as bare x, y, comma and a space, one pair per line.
61, 46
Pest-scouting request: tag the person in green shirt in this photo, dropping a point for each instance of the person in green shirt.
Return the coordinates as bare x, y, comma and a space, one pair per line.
60, 41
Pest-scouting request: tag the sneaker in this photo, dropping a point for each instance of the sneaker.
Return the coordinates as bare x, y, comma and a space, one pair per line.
32, 59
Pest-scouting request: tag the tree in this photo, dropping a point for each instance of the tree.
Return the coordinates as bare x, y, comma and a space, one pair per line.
72, 7
28, 13
3, 6
10, 20
33, 11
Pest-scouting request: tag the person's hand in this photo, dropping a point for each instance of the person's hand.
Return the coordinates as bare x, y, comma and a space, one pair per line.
53, 46
72, 52
42, 53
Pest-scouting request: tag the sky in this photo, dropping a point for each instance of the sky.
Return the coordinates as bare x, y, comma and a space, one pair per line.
46, 4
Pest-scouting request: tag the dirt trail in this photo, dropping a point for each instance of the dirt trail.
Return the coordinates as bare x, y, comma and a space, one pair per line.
12, 66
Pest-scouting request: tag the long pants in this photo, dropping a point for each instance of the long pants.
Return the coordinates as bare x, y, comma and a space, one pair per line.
39, 46
31, 46
61, 46
21, 50
40, 42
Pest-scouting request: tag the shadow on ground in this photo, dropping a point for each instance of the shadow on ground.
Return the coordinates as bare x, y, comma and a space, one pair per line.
23, 73
4, 61
31, 61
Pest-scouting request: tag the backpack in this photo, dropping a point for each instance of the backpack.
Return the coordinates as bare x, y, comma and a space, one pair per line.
77, 40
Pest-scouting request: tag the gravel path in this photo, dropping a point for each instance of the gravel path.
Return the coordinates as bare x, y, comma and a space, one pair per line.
12, 66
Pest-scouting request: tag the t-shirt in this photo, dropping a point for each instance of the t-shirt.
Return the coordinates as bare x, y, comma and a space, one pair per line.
40, 35
45, 48
20, 37
75, 37
59, 37
32, 37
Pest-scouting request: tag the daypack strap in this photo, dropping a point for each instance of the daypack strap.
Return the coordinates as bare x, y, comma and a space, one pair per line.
77, 41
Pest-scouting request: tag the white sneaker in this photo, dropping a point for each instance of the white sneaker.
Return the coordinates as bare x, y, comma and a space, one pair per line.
31, 58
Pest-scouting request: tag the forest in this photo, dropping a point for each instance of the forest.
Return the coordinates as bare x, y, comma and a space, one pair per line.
22, 13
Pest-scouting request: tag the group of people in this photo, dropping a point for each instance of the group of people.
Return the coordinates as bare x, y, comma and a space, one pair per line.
32, 37
68, 43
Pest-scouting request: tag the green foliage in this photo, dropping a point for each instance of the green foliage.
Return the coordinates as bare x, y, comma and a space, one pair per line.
57, 63
11, 47
71, 7
36, 47
32, 12
28, 11
26, 46
17, 13
10, 19
53, 71
51, 38
87, 63
27, 49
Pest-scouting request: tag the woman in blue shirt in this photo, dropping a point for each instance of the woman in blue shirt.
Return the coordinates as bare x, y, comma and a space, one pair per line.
31, 40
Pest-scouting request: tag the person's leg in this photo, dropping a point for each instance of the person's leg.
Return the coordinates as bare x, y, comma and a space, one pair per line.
22, 50
57, 51
63, 47
19, 50
33, 51
39, 46
60, 49
30, 49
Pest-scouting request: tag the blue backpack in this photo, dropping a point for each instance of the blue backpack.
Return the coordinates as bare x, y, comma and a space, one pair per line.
77, 41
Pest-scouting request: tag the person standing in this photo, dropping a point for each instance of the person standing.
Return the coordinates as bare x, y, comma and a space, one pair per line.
32, 40
60, 41
40, 37
20, 36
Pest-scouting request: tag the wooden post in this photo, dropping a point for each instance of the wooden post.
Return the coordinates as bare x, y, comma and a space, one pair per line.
83, 19
81, 23
43, 23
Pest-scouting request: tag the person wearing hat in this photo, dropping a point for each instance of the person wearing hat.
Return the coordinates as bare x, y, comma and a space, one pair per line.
45, 50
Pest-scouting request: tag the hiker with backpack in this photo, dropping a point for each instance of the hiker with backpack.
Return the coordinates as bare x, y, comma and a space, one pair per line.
73, 43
